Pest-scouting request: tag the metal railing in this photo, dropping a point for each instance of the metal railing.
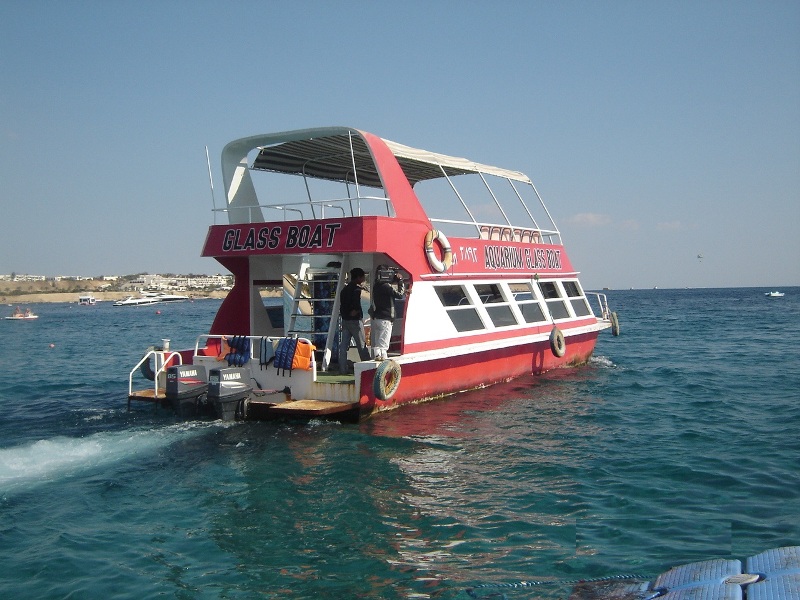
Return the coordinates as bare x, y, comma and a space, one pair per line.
314, 209
159, 356
506, 233
602, 303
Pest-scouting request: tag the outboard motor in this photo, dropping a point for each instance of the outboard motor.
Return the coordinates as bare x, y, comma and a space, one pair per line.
187, 386
227, 390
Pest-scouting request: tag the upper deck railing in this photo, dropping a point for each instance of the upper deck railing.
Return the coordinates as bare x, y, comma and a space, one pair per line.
353, 207
314, 209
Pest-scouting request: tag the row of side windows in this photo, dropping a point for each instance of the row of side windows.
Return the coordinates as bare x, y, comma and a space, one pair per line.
499, 301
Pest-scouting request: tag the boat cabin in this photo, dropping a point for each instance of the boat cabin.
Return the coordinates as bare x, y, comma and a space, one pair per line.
352, 199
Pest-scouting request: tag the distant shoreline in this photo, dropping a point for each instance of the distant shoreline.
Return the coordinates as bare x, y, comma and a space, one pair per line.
72, 297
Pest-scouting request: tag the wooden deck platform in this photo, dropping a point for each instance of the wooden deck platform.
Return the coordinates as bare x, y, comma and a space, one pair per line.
149, 395
271, 405
301, 409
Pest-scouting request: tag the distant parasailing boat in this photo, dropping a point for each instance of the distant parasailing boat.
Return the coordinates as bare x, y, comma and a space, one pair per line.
20, 315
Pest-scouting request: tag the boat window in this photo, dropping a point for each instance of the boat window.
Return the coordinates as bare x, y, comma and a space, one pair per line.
532, 312
519, 288
489, 293
452, 295
558, 309
556, 306
528, 304
465, 319
459, 308
497, 306
549, 290
579, 304
501, 315
529, 307
580, 307
573, 289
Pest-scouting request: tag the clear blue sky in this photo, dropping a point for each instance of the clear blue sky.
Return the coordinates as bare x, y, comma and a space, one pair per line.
655, 131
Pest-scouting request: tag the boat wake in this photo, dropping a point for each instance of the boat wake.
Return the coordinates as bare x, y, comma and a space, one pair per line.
602, 362
47, 461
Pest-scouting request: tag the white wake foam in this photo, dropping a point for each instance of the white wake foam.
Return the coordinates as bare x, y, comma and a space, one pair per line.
60, 457
601, 361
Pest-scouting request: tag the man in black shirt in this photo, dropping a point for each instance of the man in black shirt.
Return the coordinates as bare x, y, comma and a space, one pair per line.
383, 312
352, 318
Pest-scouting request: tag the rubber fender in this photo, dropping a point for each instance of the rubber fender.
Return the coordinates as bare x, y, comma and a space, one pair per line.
387, 379
614, 324
557, 344
146, 369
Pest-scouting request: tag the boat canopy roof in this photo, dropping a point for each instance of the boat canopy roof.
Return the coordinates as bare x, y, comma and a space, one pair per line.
336, 153
359, 160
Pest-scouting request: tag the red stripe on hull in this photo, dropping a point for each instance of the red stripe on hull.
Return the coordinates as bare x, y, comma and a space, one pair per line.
434, 378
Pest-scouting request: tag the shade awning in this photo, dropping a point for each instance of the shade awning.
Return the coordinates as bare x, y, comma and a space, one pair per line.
330, 157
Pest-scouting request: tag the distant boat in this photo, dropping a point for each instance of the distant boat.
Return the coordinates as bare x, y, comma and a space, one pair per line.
775, 294
87, 300
171, 298
19, 315
147, 300
131, 301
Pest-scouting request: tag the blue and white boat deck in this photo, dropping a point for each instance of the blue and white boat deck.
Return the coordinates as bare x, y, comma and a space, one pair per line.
771, 575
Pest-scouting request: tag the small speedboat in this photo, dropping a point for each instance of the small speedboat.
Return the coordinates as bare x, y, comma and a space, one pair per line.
170, 298
149, 299
775, 294
131, 301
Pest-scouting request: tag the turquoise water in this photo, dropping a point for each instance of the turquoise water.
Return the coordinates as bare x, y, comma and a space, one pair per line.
679, 442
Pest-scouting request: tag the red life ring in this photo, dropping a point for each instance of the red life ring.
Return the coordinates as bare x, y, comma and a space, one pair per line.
440, 266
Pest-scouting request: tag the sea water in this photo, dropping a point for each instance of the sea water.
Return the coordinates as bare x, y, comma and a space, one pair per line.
680, 441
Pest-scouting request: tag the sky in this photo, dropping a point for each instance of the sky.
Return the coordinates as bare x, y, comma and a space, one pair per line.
654, 131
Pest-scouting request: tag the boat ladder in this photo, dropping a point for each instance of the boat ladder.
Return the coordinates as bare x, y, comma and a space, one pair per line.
315, 304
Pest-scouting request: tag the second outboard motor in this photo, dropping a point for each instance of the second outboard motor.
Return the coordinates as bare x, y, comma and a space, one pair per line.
187, 386
227, 390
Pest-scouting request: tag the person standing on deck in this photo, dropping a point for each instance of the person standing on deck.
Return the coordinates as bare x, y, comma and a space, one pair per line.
383, 311
352, 318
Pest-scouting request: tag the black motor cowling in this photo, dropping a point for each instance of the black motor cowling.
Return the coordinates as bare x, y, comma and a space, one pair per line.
187, 387
227, 390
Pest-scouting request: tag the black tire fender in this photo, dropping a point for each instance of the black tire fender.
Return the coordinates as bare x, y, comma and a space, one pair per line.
146, 369
557, 343
614, 324
387, 379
